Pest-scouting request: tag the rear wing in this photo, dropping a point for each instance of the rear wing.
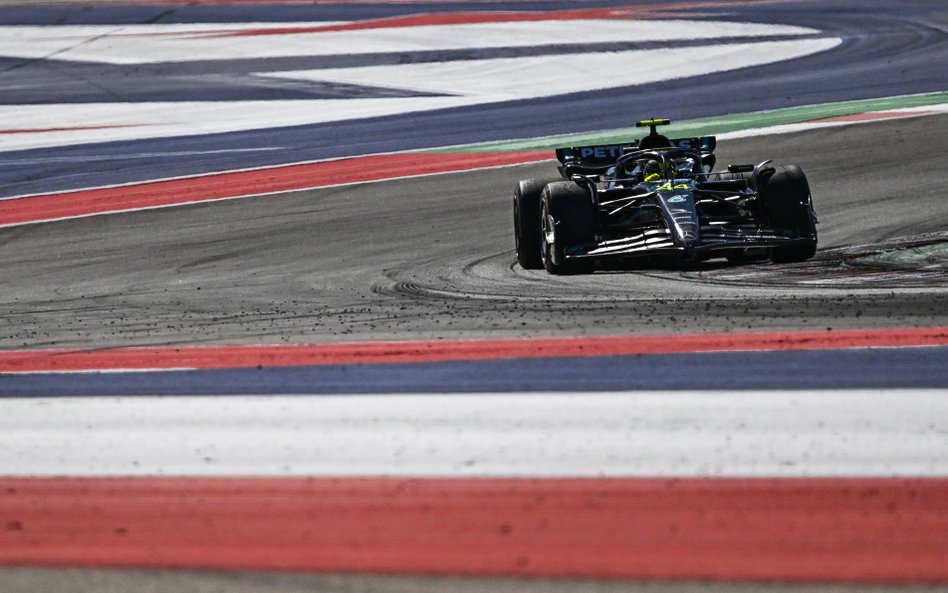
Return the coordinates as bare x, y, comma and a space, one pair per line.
606, 154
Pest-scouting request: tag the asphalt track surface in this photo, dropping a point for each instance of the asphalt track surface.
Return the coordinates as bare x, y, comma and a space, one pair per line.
431, 257
29, 580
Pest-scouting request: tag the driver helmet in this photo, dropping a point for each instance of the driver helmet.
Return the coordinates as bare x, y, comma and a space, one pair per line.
652, 171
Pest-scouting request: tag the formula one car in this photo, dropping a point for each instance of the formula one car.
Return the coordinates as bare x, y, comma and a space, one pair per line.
659, 198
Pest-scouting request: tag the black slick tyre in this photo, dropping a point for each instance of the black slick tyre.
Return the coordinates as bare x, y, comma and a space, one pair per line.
526, 206
567, 218
789, 208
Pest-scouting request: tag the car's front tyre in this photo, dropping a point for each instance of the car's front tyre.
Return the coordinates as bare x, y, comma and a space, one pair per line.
567, 218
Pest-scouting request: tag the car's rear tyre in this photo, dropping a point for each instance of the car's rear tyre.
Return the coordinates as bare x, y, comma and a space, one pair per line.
567, 218
789, 207
526, 205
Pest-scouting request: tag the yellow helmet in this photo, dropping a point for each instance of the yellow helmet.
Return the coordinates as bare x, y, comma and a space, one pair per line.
652, 171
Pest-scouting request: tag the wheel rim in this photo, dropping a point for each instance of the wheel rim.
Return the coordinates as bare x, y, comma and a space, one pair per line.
546, 230
517, 227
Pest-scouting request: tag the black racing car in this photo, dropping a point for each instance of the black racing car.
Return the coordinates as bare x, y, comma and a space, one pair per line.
661, 199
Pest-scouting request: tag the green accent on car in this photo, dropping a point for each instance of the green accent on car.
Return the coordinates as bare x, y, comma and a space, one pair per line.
712, 125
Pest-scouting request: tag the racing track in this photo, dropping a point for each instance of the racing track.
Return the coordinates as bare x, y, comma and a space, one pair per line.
431, 257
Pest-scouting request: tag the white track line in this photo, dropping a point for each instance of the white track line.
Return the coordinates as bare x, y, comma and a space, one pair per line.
450, 84
507, 79
688, 434
142, 44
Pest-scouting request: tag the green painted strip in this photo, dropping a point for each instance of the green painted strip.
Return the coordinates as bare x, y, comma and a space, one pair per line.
713, 125
926, 258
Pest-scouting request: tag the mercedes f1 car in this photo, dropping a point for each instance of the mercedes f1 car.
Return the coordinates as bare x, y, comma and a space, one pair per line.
660, 198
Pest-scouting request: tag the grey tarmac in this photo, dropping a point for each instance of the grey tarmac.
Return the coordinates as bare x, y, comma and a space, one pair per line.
432, 258
34, 580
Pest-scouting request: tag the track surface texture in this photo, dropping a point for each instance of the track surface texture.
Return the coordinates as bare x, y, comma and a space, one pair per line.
432, 257
17, 580
104, 581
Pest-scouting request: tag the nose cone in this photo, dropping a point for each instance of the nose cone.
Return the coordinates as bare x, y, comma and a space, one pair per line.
678, 206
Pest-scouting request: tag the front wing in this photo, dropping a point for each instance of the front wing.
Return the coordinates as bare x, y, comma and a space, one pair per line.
660, 241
